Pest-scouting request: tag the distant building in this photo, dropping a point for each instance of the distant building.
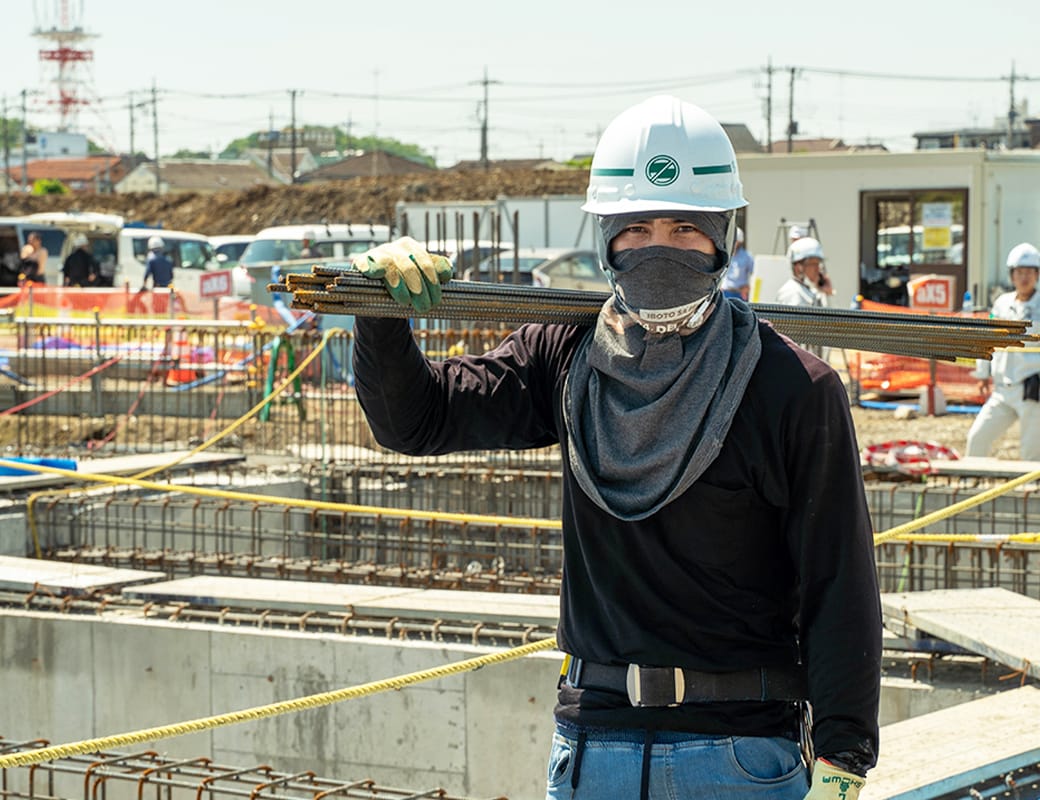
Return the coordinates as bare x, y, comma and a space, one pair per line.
509, 163
373, 162
995, 138
741, 137
278, 162
204, 176
824, 145
98, 174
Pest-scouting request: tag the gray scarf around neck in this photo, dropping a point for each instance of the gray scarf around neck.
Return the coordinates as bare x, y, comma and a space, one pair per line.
646, 415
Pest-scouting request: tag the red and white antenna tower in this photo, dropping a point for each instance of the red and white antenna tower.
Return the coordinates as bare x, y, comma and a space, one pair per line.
67, 51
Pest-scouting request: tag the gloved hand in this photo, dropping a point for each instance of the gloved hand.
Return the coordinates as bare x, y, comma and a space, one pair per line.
831, 783
412, 275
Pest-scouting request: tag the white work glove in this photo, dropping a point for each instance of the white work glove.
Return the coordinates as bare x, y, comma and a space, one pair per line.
412, 276
831, 783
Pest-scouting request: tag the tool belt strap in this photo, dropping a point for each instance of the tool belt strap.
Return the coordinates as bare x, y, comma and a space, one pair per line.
673, 686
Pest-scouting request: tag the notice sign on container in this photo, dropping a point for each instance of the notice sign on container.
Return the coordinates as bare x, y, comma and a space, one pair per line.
215, 284
936, 221
931, 293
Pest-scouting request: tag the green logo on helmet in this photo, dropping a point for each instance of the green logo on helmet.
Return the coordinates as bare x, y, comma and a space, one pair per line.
662, 170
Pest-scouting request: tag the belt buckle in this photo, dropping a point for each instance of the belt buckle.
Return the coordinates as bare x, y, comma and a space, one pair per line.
655, 686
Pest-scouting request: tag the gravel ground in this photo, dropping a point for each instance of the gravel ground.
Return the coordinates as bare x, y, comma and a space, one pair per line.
951, 430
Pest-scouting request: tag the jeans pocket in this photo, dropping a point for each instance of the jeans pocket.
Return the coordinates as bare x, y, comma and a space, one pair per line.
561, 760
762, 758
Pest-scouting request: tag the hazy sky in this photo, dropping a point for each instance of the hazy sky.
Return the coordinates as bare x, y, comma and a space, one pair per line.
560, 70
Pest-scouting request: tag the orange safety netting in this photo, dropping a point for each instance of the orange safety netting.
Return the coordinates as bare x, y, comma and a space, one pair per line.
894, 375
40, 300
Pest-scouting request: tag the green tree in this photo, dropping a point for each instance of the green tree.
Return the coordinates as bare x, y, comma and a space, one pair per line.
49, 186
340, 140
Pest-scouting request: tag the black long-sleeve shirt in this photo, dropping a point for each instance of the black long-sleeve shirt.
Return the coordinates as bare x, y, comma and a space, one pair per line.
766, 561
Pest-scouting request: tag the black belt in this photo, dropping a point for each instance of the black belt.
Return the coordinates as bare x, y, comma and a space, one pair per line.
673, 686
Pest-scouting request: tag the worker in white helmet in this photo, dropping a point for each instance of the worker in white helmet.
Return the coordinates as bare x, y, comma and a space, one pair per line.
808, 284
718, 577
158, 265
1012, 379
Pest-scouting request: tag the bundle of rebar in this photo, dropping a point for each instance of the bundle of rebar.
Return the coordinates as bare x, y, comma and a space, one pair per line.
335, 289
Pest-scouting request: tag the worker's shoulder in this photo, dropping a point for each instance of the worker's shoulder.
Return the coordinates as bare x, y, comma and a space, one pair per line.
784, 362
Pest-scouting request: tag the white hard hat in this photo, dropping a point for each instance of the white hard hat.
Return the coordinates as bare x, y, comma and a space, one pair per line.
796, 232
155, 243
740, 235
806, 247
663, 155
1023, 255
80, 240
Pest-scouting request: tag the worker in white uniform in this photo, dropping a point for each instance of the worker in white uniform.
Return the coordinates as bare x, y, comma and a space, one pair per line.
1015, 375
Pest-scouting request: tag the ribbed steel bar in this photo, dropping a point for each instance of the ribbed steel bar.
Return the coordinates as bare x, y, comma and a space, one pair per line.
334, 289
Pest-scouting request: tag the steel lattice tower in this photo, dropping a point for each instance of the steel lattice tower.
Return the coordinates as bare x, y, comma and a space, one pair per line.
66, 37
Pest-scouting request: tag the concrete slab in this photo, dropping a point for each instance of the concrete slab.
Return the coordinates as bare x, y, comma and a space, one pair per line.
67, 578
377, 601
949, 750
996, 623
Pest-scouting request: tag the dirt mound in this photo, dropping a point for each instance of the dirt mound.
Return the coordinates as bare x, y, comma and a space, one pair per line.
363, 199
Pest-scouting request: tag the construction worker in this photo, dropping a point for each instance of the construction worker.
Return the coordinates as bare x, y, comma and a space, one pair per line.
737, 282
80, 267
1015, 376
808, 284
33, 264
718, 578
157, 266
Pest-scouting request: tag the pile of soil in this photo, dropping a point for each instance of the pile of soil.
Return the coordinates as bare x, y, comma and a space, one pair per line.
368, 199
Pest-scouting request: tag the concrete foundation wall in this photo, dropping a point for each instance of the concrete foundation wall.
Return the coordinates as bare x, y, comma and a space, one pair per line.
479, 734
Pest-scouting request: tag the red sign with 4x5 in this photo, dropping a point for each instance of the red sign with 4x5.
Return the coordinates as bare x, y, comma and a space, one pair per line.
215, 284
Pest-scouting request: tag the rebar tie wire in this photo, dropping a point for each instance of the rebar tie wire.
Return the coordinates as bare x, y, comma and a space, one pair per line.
338, 289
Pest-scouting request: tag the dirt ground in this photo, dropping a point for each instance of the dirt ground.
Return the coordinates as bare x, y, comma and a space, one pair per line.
950, 430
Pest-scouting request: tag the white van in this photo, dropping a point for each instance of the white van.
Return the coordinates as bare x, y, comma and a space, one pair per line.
14, 233
281, 248
122, 250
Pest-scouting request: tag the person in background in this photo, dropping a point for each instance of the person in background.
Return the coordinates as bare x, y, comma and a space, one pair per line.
309, 249
737, 282
33, 263
158, 266
80, 267
1015, 376
719, 586
808, 283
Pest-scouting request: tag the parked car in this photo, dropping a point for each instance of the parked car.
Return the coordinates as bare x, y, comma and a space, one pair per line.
122, 249
573, 269
14, 233
281, 249
228, 250
556, 266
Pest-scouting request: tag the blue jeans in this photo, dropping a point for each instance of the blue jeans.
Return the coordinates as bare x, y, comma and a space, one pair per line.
682, 765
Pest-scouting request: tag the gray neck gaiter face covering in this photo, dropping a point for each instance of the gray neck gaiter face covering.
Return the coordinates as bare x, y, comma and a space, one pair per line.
664, 287
647, 414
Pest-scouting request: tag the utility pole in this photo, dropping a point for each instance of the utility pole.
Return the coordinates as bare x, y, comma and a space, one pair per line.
25, 146
484, 122
270, 144
769, 104
1011, 109
292, 95
130, 107
155, 137
792, 126
7, 151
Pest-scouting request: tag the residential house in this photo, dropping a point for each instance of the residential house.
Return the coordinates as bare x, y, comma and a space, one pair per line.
203, 176
373, 162
97, 174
